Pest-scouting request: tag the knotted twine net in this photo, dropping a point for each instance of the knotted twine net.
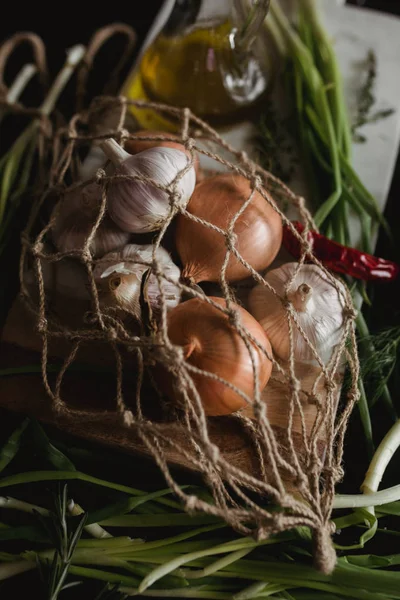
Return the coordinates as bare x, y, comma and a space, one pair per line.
246, 500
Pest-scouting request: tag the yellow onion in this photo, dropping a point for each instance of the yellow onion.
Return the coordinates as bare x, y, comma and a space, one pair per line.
202, 250
212, 344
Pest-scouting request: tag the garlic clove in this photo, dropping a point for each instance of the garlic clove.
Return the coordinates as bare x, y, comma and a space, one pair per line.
118, 277
140, 206
318, 306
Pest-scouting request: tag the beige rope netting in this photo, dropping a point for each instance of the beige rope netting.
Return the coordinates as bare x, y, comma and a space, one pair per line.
308, 501
292, 485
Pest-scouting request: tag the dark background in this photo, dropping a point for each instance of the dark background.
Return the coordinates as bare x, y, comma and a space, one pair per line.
63, 24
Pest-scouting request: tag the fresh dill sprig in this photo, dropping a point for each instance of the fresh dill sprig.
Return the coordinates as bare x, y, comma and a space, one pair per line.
64, 538
379, 366
367, 100
275, 152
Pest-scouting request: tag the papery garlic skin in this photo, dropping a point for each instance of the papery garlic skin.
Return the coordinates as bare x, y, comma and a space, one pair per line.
140, 206
319, 310
66, 278
75, 219
119, 275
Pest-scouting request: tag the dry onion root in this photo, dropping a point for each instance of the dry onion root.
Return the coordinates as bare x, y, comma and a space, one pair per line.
258, 230
211, 343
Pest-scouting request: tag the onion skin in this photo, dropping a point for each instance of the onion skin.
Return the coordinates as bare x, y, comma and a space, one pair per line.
202, 250
212, 344
135, 146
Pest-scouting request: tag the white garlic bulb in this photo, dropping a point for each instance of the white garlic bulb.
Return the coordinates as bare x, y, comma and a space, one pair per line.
140, 206
66, 278
118, 277
319, 308
76, 216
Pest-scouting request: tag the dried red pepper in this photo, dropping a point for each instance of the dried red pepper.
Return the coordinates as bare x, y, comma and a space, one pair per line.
341, 259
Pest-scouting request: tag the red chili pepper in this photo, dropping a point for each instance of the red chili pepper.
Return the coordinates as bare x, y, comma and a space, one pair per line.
341, 259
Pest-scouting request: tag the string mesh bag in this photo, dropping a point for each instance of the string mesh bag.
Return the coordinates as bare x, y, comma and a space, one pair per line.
296, 449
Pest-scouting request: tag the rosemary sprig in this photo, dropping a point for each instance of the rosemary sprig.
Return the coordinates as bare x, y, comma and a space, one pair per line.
64, 539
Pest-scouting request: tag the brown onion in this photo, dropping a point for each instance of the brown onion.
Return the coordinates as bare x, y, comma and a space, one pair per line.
258, 230
135, 146
212, 344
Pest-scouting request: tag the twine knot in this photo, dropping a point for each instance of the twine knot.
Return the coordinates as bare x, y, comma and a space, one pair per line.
112, 334
124, 134
189, 144
99, 176
350, 313
255, 181
234, 319
175, 197
324, 553
128, 418
37, 248
191, 503
212, 452
330, 385
353, 396
42, 324
231, 241
295, 385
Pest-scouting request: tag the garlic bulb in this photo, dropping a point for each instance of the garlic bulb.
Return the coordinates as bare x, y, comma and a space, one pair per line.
66, 278
319, 309
77, 214
118, 277
140, 206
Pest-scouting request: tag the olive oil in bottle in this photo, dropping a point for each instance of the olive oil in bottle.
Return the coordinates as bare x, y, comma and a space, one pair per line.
203, 67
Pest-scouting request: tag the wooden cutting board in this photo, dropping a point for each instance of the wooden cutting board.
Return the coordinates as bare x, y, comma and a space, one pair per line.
94, 391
